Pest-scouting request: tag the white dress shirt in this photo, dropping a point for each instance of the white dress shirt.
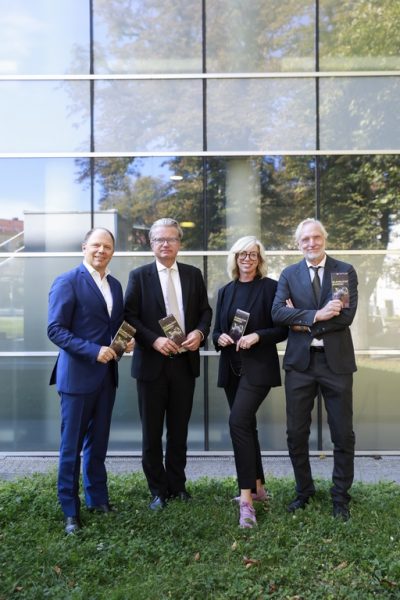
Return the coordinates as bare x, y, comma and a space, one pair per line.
102, 284
163, 275
320, 274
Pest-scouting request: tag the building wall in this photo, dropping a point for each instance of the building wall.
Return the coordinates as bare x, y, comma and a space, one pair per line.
235, 118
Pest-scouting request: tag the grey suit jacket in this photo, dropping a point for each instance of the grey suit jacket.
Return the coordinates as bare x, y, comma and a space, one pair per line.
295, 283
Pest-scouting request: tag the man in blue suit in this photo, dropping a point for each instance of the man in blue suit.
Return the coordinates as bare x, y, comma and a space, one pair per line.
319, 353
85, 312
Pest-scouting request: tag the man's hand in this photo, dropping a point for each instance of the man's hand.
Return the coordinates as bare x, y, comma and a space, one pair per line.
193, 340
332, 309
130, 346
247, 341
165, 346
289, 303
225, 340
106, 354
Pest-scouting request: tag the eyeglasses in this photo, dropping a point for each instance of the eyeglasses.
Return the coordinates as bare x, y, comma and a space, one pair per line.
251, 255
162, 241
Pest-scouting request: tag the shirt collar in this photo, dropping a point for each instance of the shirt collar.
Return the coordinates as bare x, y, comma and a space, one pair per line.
93, 271
320, 264
161, 267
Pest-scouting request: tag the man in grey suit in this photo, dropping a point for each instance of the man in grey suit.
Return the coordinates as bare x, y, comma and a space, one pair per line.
319, 353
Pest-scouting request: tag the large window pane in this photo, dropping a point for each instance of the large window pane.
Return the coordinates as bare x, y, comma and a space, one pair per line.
44, 116
44, 37
359, 113
359, 35
142, 190
264, 35
161, 36
360, 202
265, 196
260, 114
148, 116
43, 205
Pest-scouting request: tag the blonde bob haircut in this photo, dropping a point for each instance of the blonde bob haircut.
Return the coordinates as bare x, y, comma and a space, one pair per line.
244, 243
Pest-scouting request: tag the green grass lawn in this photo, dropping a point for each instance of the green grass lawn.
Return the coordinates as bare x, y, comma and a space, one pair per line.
196, 550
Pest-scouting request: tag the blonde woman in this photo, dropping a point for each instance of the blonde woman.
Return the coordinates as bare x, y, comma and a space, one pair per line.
249, 367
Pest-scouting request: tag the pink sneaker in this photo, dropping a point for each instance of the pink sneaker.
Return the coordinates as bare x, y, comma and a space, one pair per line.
264, 497
247, 515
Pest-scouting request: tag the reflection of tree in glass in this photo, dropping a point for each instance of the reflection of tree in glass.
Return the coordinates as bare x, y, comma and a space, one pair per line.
260, 36
162, 36
359, 35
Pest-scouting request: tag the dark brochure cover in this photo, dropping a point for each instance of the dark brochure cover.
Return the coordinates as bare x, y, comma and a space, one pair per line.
172, 329
239, 324
340, 288
121, 339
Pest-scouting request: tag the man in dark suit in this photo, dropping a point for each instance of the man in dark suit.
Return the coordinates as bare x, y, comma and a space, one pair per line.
85, 312
166, 372
320, 353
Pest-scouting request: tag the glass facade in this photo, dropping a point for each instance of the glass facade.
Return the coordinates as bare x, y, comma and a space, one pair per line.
234, 119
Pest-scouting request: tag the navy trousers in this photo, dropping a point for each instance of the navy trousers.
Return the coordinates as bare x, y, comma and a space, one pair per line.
85, 427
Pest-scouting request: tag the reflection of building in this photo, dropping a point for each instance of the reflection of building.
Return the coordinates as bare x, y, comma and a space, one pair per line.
236, 121
64, 231
10, 234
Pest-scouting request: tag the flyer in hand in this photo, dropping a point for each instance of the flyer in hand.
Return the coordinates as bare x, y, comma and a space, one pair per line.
239, 324
172, 329
121, 339
340, 288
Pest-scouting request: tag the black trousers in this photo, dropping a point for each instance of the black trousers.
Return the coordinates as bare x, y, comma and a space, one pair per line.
244, 399
167, 399
301, 390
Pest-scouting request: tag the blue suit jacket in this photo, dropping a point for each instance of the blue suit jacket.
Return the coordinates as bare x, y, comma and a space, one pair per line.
79, 324
295, 283
260, 362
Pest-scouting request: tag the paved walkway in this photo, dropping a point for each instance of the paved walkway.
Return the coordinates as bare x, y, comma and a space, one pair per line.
369, 469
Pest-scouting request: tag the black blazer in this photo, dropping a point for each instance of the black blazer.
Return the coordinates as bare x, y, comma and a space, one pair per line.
295, 283
144, 306
260, 362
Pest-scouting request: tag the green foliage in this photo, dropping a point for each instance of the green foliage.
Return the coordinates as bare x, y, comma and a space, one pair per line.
196, 550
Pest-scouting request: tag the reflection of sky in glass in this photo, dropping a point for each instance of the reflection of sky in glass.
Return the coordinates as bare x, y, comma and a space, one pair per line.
40, 184
40, 36
44, 116
33, 184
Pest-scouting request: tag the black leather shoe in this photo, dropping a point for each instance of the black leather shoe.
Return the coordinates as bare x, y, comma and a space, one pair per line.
341, 511
72, 525
102, 508
158, 503
184, 496
298, 502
